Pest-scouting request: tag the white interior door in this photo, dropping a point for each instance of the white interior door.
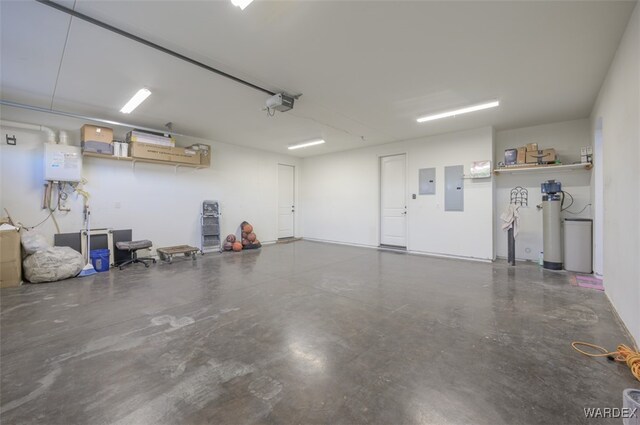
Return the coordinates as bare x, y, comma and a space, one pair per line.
393, 200
286, 200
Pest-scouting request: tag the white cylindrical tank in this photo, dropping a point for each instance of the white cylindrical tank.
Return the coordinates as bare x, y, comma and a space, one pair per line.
552, 232
578, 243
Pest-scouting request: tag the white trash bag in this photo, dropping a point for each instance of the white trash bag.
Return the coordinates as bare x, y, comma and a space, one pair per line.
52, 264
33, 241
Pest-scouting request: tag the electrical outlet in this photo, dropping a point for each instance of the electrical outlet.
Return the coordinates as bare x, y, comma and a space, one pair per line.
117, 205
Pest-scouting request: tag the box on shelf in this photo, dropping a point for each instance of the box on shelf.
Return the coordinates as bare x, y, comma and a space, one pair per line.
97, 147
543, 156
165, 153
205, 153
522, 155
93, 133
587, 150
150, 138
120, 149
205, 158
510, 156
10, 259
585, 159
185, 156
532, 147
146, 151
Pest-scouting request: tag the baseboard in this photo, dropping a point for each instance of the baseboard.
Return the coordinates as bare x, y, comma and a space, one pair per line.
452, 257
339, 243
427, 254
620, 321
524, 260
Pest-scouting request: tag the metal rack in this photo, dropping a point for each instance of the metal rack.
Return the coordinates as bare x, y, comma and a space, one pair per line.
210, 226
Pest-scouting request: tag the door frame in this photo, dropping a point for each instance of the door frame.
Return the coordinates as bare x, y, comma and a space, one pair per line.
295, 199
598, 199
406, 196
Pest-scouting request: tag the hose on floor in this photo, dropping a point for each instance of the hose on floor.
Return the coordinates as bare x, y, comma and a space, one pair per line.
623, 354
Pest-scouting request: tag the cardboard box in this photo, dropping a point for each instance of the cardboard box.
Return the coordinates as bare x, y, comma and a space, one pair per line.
10, 259
532, 146
145, 151
205, 158
165, 153
522, 155
185, 156
92, 133
97, 147
544, 156
205, 153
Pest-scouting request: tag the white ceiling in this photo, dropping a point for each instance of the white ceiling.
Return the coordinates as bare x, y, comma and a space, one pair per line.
366, 69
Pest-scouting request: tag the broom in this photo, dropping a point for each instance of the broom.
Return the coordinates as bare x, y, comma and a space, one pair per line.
88, 269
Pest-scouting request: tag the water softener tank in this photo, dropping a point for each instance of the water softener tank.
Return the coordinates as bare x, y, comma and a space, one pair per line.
552, 232
551, 225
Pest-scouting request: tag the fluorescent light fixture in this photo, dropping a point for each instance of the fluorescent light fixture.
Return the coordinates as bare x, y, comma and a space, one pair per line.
135, 101
460, 111
306, 144
241, 3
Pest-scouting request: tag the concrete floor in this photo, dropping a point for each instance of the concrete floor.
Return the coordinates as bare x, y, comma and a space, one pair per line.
307, 333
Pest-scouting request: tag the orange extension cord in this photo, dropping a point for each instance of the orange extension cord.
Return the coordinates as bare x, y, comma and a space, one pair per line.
623, 354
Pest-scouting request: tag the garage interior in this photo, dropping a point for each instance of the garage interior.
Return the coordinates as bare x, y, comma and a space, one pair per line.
240, 211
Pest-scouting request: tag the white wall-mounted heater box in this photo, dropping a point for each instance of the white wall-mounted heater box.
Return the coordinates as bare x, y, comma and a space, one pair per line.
62, 163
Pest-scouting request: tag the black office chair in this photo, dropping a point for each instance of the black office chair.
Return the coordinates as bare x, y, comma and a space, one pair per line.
133, 247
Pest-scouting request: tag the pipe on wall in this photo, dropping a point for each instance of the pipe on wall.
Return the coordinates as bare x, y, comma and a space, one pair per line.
51, 135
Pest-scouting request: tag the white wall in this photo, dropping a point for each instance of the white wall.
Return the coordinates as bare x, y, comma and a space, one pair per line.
158, 202
341, 196
567, 138
618, 107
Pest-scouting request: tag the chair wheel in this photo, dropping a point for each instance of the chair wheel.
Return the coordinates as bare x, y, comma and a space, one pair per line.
154, 261
146, 265
120, 267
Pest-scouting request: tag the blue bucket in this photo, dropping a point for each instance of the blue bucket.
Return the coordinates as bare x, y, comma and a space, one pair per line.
100, 259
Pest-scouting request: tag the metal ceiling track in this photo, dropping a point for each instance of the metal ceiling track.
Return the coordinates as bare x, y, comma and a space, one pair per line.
148, 43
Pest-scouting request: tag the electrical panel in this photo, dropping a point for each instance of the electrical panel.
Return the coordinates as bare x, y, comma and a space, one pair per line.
427, 181
454, 188
210, 224
62, 163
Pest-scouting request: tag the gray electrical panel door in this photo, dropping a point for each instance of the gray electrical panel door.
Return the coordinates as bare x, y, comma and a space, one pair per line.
454, 188
427, 181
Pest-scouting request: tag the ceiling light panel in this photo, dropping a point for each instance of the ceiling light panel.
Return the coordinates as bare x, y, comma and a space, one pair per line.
242, 4
465, 110
306, 144
135, 101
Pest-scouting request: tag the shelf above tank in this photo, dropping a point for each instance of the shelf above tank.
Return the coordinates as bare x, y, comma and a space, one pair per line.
542, 169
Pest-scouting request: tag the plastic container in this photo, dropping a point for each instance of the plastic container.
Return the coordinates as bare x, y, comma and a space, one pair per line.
100, 259
578, 255
631, 401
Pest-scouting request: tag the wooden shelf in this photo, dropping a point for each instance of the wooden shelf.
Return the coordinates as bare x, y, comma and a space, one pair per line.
143, 160
99, 155
542, 169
